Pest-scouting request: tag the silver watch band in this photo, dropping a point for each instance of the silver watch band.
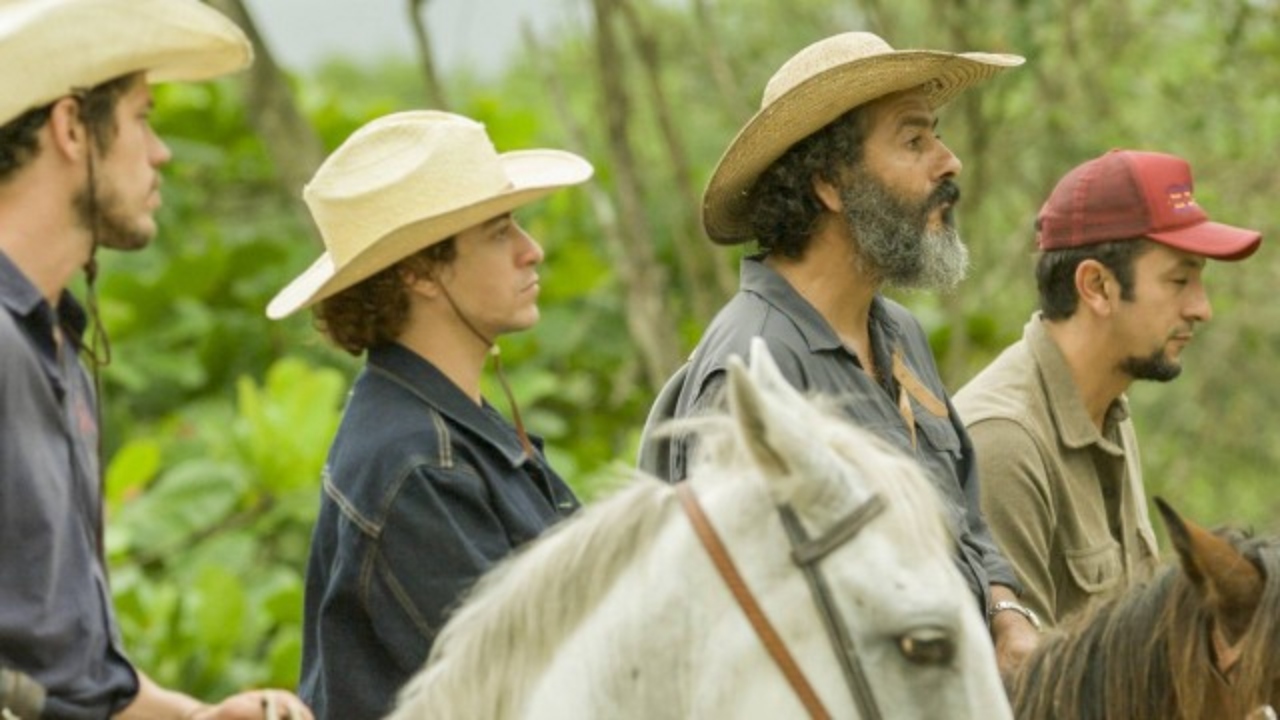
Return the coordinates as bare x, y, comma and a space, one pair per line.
1019, 608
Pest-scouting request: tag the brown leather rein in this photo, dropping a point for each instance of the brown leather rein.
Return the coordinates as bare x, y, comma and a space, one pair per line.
806, 554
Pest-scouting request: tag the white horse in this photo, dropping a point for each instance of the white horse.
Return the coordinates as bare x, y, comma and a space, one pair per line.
621, 613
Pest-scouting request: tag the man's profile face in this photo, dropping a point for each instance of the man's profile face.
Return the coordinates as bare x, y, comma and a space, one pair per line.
120, 203
899, 199
1153, 328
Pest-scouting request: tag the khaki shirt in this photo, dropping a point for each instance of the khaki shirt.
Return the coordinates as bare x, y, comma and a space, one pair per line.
1065, 503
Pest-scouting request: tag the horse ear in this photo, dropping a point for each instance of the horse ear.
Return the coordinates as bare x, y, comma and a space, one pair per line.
1229, 582
747, 408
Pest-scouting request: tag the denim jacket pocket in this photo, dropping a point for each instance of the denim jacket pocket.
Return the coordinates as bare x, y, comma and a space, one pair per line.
1097, 569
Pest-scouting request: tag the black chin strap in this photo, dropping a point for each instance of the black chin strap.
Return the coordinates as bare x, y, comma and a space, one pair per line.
496, 353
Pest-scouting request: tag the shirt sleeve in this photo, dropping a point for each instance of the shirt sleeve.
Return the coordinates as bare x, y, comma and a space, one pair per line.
441, 535
979, 537
1018, 507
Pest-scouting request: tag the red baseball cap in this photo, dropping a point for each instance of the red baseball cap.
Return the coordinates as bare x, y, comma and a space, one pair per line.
1130, 194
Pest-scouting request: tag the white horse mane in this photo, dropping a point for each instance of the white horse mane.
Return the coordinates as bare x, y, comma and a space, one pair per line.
489, 655
526, 607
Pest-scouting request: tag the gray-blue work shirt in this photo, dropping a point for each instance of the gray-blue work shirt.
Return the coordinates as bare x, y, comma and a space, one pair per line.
57, 623
811, 356
424, 490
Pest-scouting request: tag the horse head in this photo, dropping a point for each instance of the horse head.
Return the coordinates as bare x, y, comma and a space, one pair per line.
1197, 642
1230, 586
880, 554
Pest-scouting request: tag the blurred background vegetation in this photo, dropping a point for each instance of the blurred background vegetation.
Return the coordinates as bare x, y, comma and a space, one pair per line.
218, 420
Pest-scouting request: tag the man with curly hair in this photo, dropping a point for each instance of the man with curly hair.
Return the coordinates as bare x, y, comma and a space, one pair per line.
426, 484
846, 187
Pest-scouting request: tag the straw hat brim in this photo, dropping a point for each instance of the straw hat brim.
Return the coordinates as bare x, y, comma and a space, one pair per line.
50, 49
816, 102
534, 174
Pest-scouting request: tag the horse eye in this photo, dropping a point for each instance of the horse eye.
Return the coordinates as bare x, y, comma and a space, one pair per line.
927, 647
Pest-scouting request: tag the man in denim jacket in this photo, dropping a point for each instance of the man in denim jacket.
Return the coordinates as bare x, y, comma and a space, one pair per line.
426, 485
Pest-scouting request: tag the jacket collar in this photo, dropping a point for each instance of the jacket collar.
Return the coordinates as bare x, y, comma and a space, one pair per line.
428, 384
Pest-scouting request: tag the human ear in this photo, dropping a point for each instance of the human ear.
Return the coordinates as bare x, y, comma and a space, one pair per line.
828, 194
67, 133
1095, 286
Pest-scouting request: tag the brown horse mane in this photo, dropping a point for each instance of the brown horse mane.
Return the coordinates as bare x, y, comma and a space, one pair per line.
1146, 654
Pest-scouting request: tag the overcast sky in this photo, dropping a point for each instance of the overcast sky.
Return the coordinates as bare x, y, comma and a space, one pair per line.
475, 34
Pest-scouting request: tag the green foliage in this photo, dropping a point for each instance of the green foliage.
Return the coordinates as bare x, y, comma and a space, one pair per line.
208, 525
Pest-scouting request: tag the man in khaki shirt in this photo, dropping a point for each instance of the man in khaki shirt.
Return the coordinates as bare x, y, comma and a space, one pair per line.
1123, 244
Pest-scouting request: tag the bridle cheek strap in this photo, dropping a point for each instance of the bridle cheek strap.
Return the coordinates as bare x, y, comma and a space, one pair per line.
807, 553
764, 629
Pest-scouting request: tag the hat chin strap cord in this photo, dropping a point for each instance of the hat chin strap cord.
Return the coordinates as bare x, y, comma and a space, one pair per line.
496, 353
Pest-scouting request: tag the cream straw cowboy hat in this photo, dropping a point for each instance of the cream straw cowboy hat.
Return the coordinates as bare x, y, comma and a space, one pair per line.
51, 48
405, 182
813, 88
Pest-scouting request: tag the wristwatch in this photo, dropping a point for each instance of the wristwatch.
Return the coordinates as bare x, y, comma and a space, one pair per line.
1019, 608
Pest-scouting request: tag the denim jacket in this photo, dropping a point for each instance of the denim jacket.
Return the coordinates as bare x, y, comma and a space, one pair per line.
423, 492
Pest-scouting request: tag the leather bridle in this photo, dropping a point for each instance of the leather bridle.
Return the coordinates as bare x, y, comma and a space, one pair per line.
806, 554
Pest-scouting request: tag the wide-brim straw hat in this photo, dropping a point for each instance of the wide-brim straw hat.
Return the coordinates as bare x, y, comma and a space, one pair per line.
813, 88
407, 181
52, 48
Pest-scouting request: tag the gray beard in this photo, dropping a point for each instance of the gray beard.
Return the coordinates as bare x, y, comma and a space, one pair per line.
895, 243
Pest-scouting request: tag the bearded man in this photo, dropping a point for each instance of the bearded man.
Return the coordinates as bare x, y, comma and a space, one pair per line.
844, 183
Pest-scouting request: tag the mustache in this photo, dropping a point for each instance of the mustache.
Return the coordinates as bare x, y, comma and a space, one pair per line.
947, 193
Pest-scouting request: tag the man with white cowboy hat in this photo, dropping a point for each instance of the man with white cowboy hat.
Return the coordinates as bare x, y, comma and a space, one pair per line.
426, 485
846, 187
79, 169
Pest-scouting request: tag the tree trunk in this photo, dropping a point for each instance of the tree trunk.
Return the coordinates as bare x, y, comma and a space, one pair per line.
433, 88
705, 277
643, 277
290, 142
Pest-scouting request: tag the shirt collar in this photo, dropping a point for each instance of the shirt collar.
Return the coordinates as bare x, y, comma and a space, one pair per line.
426, 382
1075, 427
769, 285
23, 300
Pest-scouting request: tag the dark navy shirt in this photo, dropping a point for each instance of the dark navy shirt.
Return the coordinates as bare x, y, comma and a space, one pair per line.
57, 623
811, 356
424, 490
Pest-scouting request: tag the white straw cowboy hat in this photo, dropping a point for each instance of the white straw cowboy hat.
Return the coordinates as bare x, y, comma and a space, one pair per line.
407, 181
52, 48
813, 88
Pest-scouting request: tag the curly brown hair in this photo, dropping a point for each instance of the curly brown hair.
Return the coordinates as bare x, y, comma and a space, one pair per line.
18, 137
784, 207
374, 311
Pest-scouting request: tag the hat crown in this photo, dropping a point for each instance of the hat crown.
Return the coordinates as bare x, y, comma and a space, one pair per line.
411, 165
50, 48
822, 56
1128, 194
1120, 195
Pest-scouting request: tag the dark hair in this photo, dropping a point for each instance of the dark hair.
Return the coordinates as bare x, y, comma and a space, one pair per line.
1056, 272
374, 311
18, 137
783, 205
